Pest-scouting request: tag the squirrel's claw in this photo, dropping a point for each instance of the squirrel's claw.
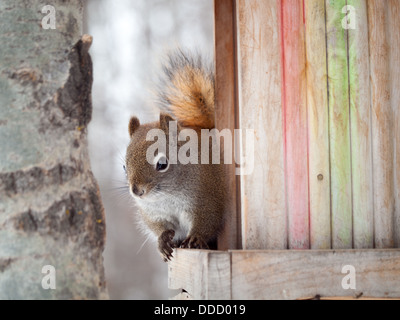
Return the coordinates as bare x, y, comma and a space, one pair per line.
194, 242
166, 245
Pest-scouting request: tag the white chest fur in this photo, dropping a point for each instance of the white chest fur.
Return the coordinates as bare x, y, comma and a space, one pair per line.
174, 211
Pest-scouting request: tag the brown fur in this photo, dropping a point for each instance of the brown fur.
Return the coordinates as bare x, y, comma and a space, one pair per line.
188, 90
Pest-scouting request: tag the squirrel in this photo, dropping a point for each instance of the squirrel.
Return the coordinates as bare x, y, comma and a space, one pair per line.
181, 204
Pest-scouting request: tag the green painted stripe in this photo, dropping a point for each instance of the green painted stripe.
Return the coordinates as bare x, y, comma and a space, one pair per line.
338, 84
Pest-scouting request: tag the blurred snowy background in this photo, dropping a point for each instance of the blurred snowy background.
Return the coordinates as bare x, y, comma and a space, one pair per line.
129, 38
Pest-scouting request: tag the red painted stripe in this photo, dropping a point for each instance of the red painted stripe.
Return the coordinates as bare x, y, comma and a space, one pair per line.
295, 117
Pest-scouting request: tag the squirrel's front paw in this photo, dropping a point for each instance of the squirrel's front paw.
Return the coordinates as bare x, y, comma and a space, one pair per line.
166, 244
194, 242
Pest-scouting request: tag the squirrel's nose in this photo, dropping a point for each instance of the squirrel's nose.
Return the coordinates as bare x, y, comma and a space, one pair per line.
137, 190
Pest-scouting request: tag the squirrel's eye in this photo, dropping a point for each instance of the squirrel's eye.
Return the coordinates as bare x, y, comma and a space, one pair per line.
162, 164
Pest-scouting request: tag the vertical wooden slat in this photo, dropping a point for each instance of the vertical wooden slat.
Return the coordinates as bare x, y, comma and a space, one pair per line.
225, 91
259, 66
360, 105
382, 123
295, 122
318, 123
394, 18
338, 86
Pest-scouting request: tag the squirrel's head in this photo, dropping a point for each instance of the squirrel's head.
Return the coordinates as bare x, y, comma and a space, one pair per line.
148, 169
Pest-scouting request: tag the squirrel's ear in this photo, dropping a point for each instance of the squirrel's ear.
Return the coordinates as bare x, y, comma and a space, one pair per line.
133, 125
165, 119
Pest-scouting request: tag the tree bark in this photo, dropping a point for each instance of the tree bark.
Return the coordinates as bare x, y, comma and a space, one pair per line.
50, 207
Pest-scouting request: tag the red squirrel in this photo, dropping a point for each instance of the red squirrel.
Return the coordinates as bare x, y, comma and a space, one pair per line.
181, 204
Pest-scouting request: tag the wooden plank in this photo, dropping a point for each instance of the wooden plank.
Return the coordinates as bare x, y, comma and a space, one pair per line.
382, 124
318, 124
262, 192
203, 274
185, 271
292, 274
360, 123
295, 122
394, 27
339, 126
225, 111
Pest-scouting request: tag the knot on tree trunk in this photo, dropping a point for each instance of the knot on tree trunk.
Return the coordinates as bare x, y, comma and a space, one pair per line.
74, 99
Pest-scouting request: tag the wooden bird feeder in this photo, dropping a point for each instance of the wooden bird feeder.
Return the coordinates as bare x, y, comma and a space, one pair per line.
319, 83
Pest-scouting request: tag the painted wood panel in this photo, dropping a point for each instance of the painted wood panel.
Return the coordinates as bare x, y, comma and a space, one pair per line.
263, 207
382, 124
318, 125
360, 123
295, 122
226, 110
339, 126
327, 135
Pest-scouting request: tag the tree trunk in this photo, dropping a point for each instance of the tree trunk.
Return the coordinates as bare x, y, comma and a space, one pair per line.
50, 207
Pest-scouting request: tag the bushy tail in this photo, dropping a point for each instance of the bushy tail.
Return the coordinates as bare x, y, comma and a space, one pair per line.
187, 91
